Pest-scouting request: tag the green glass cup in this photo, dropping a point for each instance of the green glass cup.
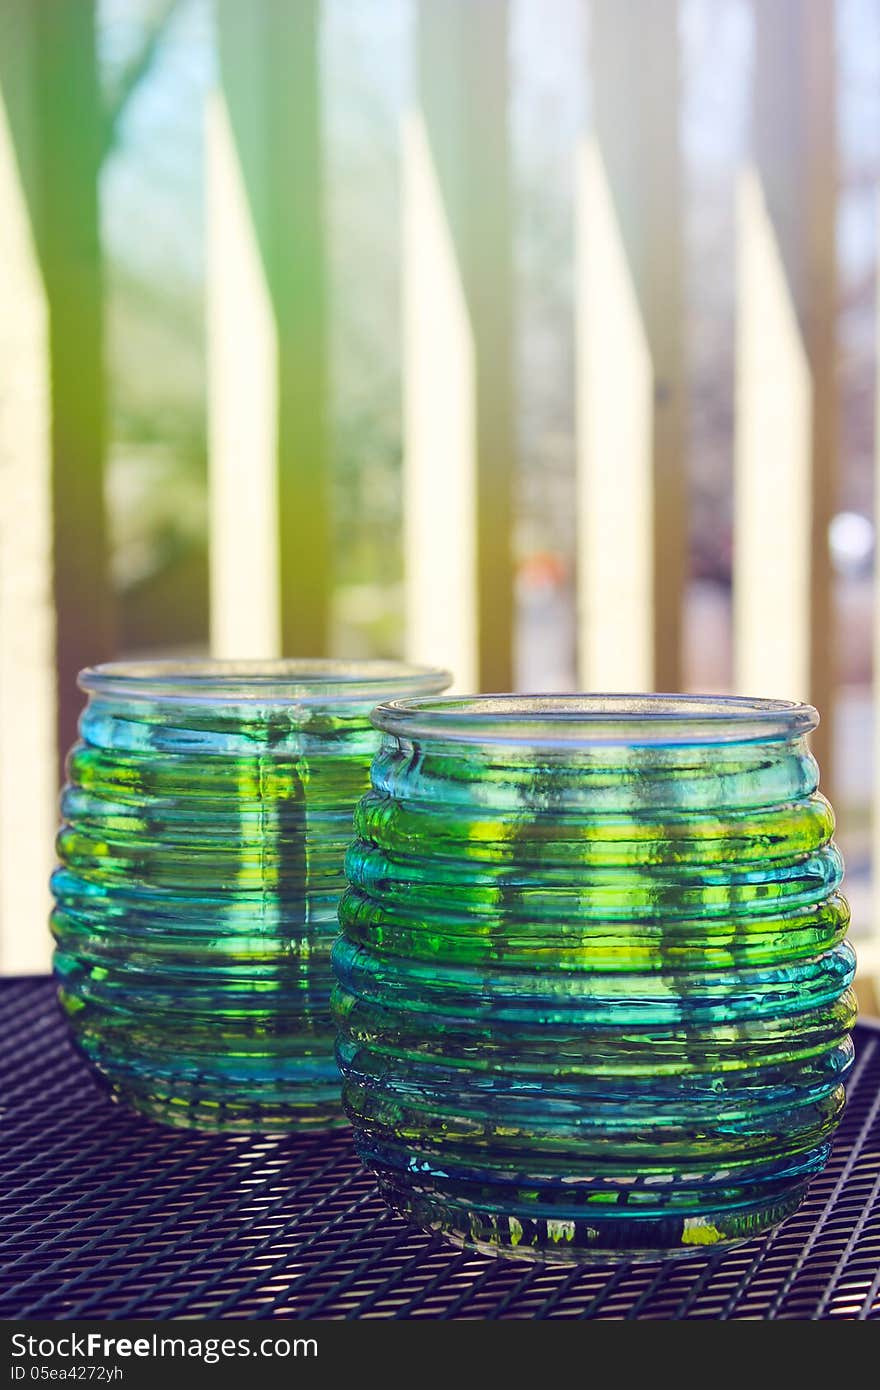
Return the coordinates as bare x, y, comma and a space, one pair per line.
594, 994
206, 815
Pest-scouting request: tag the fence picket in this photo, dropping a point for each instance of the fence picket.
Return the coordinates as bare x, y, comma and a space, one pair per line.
786, 413
773, 443
631, 480
440, 454
615, 473
268, 407
242, 351
459, 419
28, 736
869, 954
55, 594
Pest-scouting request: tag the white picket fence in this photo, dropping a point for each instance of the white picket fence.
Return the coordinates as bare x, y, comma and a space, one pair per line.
265, 429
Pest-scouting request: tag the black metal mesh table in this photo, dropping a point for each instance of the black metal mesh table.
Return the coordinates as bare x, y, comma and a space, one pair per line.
105, 1215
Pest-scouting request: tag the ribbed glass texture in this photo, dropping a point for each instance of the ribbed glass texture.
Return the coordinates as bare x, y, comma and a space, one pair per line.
206, 815
593, 988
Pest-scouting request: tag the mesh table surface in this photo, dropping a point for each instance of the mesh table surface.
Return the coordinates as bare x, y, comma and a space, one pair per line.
105, 1215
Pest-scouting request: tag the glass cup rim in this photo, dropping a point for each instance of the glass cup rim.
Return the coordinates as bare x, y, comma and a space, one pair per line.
260, 681
580, 720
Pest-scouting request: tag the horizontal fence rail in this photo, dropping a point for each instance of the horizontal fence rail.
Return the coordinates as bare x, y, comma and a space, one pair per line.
268, 393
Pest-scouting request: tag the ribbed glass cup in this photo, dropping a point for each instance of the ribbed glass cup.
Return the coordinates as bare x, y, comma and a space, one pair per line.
206, 814
593, 990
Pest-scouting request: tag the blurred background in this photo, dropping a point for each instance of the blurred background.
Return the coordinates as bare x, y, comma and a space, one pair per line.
536, 339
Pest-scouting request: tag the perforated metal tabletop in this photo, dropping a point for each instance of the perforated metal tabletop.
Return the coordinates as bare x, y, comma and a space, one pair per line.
105, 1215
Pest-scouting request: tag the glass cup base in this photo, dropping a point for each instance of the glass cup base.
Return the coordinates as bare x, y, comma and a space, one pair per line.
169, 1081
183, 1112
180, 1110
593, 1240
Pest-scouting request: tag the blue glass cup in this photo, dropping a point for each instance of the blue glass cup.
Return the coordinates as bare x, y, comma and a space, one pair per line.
594, 993
206, 815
